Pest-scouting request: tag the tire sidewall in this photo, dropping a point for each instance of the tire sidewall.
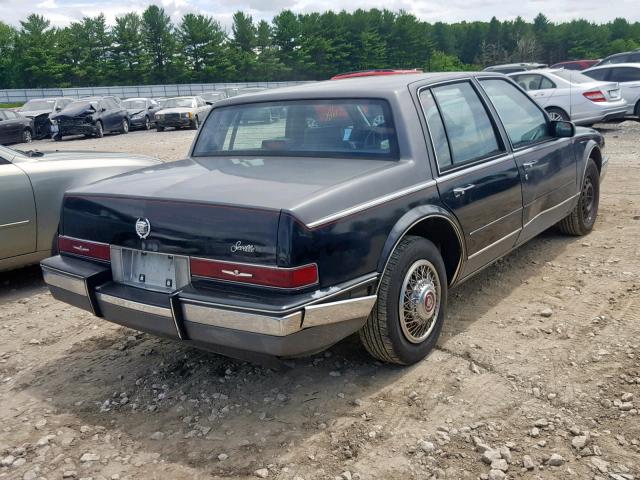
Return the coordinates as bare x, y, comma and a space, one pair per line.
408, 352
553, 110
99, 130
591, 171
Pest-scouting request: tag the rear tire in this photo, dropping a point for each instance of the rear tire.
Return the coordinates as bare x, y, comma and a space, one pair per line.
406, 321
583, 217
557, 114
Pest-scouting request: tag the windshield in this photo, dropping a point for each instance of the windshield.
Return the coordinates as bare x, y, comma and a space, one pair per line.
131, 104
180, 102
82, 105
335, 128
572, 76
33, 105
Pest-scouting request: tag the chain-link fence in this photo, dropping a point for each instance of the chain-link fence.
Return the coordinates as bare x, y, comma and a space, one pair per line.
152, 91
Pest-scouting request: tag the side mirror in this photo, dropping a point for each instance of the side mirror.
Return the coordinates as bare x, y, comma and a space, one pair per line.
209, 103
562, 129
150, 107
58, 109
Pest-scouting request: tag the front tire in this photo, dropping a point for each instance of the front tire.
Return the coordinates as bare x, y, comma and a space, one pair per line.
124, 128
583, 217
195, 125
406, 321
147, 123
99, 130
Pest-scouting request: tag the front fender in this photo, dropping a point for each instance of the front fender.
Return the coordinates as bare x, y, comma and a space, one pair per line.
411, 218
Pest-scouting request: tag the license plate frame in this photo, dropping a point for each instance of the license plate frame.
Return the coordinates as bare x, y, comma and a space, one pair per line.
159, 272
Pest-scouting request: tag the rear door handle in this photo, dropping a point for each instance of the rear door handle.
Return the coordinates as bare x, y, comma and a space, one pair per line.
459, 191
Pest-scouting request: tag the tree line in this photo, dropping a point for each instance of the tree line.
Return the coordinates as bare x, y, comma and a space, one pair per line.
151, 49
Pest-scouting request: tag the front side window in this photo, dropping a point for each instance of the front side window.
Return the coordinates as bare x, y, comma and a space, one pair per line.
338, 127
522, 119
469, 129
625, 74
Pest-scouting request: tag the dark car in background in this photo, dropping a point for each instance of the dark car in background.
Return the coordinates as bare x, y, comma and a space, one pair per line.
356, 211
14, 128
142, 112
39, 110
91, 117
623, 57
575, 64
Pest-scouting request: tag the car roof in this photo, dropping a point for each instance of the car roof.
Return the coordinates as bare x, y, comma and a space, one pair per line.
383, 86
137, 98
615, 65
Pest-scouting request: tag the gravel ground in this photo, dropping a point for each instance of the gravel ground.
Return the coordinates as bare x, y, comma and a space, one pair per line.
536, 376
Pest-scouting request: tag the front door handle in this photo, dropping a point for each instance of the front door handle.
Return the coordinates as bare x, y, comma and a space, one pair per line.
460, 191
529, 164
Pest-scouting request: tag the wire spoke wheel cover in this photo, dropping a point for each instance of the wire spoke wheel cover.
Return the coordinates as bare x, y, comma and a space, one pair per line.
419, 301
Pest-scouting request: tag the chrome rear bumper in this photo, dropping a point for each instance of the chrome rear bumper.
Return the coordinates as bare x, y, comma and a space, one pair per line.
324, 319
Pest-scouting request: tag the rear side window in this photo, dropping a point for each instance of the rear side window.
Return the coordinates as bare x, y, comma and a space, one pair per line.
469, 129
436, 129
522, 119
600, 74
338, 127
528, 81
545, 83
625, 74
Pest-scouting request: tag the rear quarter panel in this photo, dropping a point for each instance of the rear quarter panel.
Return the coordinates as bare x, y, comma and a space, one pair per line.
51, 179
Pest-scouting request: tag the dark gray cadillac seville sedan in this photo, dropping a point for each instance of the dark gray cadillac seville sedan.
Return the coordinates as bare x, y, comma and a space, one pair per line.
355, 209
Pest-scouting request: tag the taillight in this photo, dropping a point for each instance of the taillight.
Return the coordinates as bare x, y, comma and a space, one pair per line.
84, 248
296, 277
595, 96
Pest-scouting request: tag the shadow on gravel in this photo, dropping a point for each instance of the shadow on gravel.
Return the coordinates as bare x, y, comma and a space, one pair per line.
203, 404
20, 283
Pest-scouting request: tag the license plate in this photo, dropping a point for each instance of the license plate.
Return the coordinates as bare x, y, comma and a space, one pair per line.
54, 128
149, 270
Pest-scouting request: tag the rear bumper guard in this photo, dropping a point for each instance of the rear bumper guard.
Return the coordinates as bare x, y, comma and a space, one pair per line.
308, 327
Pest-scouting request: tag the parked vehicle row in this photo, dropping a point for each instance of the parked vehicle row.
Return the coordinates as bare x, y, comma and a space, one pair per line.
354, 212
14, 127
627, 75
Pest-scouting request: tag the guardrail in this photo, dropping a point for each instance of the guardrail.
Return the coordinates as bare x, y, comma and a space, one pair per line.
153, 91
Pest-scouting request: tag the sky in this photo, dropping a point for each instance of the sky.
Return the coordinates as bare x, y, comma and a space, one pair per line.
62, 12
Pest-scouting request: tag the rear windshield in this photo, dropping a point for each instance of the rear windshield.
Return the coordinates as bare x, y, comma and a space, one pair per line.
343, 128
572, 76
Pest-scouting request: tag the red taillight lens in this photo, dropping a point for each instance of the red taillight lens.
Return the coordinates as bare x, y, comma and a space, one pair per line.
595, 96
255, 274
85, 248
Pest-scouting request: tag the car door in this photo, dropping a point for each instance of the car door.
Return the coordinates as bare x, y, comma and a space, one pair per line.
478, 179
17, 212
14, 126
629, 80
547, 164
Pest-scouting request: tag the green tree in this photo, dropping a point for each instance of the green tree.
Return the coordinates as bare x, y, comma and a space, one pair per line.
130, 58
201, 39
35, 66
7, 46
159, 41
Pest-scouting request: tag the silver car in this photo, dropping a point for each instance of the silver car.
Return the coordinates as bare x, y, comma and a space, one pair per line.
31, 188
181, 112
571, 95
627, 75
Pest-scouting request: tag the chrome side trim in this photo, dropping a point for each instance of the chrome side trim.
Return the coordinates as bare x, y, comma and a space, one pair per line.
64, 281
15, 224
370, 204
340, 311
131, 305
463, 248
550, 209
500, 240
243, 321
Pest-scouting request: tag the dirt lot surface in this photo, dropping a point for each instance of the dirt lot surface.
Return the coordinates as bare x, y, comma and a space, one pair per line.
537, 374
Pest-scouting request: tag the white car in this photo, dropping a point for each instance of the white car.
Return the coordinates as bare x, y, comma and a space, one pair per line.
627, 75
570, 95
